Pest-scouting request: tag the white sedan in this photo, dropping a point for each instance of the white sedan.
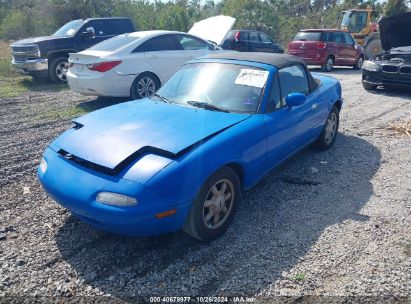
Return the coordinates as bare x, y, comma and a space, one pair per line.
137, 64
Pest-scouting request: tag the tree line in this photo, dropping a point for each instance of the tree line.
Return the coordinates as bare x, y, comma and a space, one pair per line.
279, 18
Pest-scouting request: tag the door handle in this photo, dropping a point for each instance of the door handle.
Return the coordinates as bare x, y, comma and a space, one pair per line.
314, 106
189, 57
154, 57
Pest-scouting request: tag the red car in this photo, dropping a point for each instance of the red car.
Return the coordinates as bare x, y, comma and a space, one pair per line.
327, 48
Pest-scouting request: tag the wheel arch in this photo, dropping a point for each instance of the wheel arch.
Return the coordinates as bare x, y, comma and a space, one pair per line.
150, 73
332, 56
53, 55
338, 104
145, 72
239, 170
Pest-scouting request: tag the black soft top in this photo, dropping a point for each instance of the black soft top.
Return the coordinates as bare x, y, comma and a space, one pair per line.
279, 61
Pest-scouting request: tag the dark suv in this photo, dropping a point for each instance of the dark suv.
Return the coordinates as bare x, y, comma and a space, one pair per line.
327, 48
250, 41
43, 57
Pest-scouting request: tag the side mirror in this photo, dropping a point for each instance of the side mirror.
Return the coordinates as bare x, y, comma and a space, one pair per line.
89, 33
211, 47
294, 99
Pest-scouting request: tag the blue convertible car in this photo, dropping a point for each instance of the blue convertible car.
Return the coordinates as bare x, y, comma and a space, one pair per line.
181, 158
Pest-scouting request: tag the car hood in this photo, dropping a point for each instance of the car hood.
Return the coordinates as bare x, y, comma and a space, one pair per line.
395, 31
213, 29
115, 136
36, 40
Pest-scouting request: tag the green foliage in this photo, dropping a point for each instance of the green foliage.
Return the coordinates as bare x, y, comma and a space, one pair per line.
279, 18
253, 14
395, 7
23, 18
300, 277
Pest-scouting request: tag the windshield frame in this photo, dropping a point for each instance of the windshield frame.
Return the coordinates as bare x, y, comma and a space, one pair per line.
243, 65
80, 22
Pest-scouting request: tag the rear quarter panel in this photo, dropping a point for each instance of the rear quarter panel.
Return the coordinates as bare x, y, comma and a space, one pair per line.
329, 92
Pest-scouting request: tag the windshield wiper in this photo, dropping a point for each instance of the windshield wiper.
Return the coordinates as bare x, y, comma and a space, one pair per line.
165, 99
206, 106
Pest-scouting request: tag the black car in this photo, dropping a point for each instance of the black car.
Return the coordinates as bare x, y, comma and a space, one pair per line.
392, 68
250, 41
47, 56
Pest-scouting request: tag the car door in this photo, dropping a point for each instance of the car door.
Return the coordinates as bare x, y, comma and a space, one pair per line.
342, 48
289, 129
253, 42
350, 50
241, 41
164, 54
193, 47
331, 44
100, 32
266, 43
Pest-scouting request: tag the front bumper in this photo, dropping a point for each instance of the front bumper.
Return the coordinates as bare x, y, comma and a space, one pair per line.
75, 188
34, 66
386, 79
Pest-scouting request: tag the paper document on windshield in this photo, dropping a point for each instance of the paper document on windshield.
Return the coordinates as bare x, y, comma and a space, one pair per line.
252, 78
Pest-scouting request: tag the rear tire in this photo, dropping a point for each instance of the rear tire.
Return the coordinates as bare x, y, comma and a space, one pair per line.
58, 70
328, 64
214, 206
330, 130
369, 87
145, 85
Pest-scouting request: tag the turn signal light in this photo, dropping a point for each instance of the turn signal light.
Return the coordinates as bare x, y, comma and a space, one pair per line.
103, 66
321, 45
166, 213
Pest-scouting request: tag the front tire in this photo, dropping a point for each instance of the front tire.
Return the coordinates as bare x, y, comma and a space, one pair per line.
330, 130
58, 70
145, 85
214, 205
359, 63
328, 64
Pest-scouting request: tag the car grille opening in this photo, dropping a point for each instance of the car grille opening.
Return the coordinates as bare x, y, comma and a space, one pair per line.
85, 163
28, 48
20, 57
389, 68
405, 70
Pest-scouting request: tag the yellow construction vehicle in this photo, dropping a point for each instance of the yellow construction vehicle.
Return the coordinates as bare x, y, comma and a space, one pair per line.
363, 29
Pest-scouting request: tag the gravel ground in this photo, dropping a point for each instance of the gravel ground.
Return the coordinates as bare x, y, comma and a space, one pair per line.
344, 236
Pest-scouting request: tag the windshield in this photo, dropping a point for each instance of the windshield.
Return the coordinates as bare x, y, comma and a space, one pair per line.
69, 29
309, 36
216, 86
115, 43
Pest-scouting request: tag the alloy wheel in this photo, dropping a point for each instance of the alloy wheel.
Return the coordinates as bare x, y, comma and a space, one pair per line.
218, 204
146, 87
61, 70
330, 128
